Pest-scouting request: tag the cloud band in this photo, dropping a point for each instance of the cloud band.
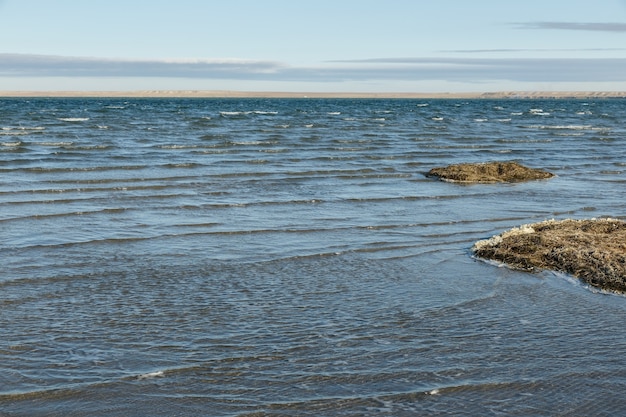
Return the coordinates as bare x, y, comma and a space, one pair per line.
463, 69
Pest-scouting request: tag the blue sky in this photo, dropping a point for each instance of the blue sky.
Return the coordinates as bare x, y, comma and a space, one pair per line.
315, 46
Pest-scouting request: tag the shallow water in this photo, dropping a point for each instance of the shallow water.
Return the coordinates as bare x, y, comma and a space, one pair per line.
289, 257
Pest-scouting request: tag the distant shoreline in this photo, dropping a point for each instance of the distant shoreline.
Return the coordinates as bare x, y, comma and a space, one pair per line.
275, 94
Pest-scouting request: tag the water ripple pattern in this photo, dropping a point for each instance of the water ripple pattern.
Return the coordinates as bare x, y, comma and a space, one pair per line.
240, 257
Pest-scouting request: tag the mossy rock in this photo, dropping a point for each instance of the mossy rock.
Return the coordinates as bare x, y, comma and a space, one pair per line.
592, 250
488, 172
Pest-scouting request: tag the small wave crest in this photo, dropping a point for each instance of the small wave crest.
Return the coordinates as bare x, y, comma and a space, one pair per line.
20, 130
247, 112
539, 112
73, 119
567, 127
150, 375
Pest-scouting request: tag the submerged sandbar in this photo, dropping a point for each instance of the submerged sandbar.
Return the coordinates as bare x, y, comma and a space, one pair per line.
592, 250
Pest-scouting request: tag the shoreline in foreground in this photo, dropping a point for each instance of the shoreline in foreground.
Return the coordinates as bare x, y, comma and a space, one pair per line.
278, 94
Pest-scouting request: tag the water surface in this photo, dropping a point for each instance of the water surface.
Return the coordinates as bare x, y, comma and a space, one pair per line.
235, 257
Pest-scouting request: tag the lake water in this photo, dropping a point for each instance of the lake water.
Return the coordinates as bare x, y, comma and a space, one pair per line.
266, 257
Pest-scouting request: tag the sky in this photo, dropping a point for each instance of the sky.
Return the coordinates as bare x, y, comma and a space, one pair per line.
313, 46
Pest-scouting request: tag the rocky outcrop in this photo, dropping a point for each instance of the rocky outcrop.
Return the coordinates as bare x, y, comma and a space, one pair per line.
592, 250
488, 172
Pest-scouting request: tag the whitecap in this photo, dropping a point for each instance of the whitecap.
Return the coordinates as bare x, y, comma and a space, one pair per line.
177, 146
564, 127
539, 112
19, 131
73, 119
56, 143
12, 133
334, 113
150, 375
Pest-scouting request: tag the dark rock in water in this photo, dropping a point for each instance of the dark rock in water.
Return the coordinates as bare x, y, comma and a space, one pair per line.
591, 250
488, 172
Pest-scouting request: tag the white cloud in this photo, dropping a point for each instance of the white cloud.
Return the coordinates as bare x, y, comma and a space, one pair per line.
588, 26
459, 69
53, 65
524, 50
512, 69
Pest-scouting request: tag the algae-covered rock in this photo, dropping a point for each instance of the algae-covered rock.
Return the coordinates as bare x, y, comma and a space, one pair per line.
488, 172
592, 250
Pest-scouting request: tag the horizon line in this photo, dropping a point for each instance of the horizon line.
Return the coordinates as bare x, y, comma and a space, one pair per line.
302, 94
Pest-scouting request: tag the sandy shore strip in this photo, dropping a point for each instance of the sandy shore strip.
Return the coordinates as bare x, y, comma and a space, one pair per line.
277, 94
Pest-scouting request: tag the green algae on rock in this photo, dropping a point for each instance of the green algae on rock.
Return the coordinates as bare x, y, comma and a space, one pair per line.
488, 172
592, 250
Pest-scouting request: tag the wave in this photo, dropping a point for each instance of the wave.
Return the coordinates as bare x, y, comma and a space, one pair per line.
150, 375
55, 143
73, 119
539, 112
12, 133
21, 131
24, 128
247, 112
77, 169
178, 146
567, 127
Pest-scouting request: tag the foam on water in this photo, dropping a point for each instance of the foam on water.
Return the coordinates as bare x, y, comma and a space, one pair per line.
73, 119
151, 375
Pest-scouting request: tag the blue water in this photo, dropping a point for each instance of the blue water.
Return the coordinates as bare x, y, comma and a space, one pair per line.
233, 257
